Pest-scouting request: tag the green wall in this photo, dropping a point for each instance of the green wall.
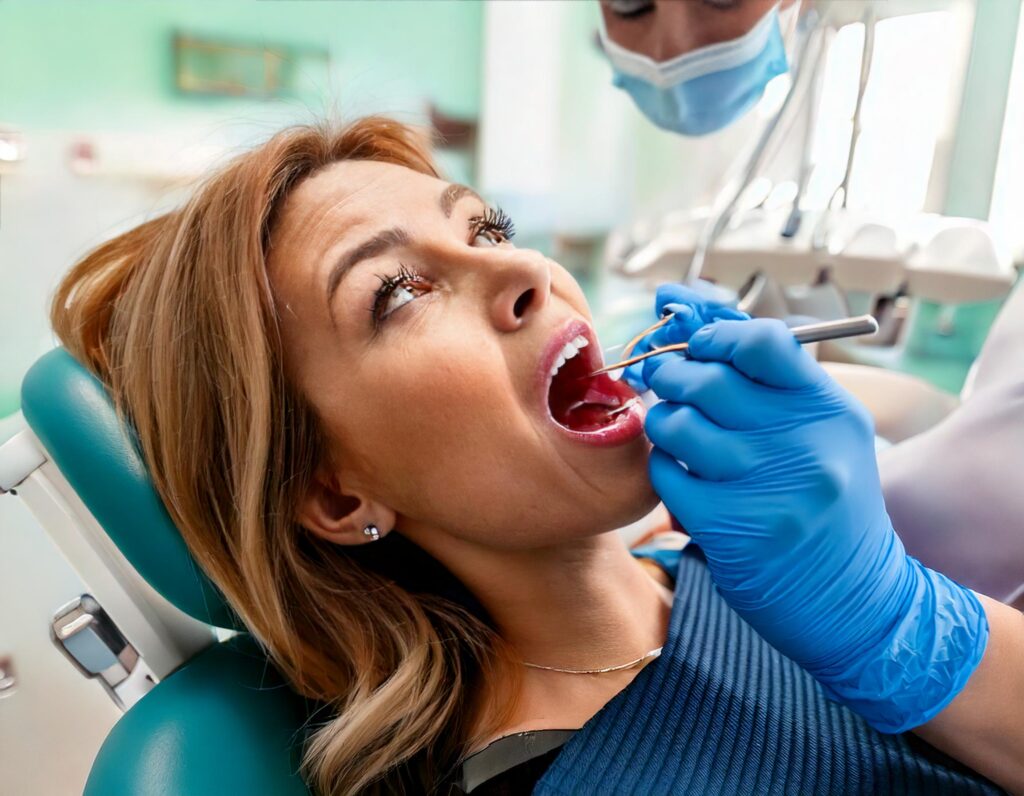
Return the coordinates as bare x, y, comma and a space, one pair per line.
109, 64
86, 68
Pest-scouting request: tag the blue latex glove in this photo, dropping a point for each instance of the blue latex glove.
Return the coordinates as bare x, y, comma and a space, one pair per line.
782, 495
704, 302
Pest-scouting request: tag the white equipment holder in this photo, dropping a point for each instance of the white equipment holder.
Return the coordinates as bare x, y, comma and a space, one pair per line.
123, 632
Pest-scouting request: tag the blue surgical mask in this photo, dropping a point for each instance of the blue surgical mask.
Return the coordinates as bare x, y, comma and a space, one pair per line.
704, 90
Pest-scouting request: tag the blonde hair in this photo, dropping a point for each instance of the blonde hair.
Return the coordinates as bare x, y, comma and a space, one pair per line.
178, 319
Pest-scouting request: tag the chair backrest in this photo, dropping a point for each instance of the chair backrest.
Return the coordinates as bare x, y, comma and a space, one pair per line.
73, 416
225, 721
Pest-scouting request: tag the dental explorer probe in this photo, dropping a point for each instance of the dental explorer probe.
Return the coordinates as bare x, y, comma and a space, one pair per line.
811, 333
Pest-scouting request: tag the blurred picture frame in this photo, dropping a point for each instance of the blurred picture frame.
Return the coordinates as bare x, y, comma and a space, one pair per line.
213, 67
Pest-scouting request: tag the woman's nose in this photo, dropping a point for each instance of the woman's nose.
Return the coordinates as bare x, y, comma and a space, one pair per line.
520, 286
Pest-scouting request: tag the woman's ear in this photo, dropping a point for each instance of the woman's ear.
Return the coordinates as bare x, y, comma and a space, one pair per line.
341, 518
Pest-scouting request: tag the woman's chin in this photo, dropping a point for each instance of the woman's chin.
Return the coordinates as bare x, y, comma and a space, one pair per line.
630, 498
645, 501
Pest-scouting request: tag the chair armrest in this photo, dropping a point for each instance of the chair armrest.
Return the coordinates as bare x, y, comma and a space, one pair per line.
225, 722
901, 405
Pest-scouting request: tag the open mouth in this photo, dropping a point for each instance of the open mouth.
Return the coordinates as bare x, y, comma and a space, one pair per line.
583, 403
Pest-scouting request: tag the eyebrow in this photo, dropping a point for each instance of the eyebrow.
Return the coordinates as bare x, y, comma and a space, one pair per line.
389, 239
374, 247
452, 194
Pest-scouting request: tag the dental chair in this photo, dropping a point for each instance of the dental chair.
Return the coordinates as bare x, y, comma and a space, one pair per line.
205, 712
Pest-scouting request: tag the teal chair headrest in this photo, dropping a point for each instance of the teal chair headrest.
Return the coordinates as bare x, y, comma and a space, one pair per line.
73, 416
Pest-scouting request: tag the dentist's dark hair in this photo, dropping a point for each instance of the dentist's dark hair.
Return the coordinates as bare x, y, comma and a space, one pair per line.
178, 319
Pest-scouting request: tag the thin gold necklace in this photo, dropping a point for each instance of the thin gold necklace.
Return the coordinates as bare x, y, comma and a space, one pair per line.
652, 654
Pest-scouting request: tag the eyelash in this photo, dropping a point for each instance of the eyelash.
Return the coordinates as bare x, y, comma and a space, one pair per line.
388, 284
494, 220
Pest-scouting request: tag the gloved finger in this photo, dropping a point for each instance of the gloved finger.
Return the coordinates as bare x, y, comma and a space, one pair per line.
677, 294
684, 323
703, 296
721, 393
763, 349
652, 365
725, 314
709, 451
678, 331
691, 500
708, 314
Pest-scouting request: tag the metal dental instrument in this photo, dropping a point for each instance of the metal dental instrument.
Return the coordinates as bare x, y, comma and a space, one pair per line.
811, 333
811, 102
823, 228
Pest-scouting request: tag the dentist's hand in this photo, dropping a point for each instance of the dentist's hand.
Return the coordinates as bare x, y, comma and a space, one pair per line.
693, 308
780, 490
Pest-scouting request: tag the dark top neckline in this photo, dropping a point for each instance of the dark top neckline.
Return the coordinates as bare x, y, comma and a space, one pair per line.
519, 753
507, 752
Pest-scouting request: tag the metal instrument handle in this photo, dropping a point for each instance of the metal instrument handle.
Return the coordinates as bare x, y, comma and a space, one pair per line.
811, 333
831, 330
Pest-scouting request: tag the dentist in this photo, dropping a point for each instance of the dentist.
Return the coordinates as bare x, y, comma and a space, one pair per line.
694, 66
770, 465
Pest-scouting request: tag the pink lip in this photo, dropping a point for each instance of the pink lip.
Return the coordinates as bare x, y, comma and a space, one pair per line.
630, 424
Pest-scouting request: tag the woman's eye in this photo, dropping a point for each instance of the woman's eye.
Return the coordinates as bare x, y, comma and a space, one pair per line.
394, 291
402, 294
487, 237
492, 228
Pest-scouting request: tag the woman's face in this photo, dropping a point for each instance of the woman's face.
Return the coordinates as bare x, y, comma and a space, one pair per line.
425, 341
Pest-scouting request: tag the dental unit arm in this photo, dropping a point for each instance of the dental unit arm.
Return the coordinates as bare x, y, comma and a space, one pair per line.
793, 244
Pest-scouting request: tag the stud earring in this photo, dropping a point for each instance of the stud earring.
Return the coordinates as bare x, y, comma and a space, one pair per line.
372, 531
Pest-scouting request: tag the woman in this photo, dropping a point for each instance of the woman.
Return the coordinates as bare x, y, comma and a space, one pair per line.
328, 354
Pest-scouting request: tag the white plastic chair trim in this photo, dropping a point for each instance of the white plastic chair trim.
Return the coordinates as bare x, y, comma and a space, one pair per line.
164, 636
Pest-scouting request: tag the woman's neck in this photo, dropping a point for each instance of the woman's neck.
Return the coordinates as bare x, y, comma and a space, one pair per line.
582, 612
583, 604
591, 607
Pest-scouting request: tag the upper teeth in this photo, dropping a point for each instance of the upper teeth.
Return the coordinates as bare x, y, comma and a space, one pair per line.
569, 350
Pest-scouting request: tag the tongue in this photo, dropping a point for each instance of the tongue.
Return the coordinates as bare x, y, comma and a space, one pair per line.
586, 417
602, 393
585, 403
